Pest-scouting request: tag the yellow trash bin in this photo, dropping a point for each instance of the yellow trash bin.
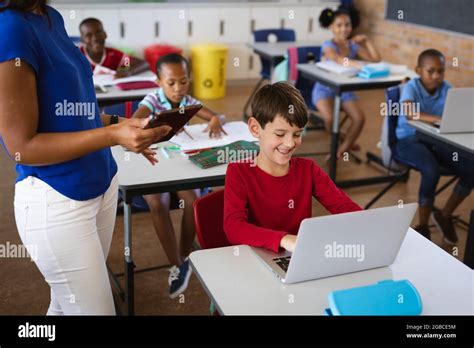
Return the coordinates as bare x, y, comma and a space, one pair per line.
209, 65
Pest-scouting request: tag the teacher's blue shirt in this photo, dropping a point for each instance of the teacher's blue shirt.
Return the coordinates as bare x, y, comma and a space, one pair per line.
65, 95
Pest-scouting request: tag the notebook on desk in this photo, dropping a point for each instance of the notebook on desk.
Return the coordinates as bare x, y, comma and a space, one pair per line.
239, 151
334, 67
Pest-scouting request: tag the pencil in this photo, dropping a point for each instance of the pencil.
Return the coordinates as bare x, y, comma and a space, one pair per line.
189, 135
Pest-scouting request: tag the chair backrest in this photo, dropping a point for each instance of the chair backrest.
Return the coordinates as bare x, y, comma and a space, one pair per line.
125, 109
299, 55
392, 97
209, 220
263, 35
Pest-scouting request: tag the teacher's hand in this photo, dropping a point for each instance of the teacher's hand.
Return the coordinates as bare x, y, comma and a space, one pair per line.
131, 135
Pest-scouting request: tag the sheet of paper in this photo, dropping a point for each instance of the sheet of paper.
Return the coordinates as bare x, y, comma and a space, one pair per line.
109, 79
103, 80
235, 131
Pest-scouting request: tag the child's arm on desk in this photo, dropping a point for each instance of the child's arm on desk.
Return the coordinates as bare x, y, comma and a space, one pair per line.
214, 126
331, 53
409, 107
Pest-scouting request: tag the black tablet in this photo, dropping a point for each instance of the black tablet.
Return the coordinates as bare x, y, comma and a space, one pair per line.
175, 118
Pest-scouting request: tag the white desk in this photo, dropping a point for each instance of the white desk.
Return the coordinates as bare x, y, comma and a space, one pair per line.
135, 172
276, 50
340, 84
463, 142
137, 176
241, 284
115, 95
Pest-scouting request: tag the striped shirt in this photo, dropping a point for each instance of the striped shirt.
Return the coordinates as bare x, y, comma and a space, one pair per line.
157, 101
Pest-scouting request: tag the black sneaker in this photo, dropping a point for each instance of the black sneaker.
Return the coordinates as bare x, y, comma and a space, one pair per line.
424, 230
445, 225
179, 278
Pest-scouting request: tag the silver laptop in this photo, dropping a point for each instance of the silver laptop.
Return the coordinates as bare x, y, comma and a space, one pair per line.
342, 243
458, 113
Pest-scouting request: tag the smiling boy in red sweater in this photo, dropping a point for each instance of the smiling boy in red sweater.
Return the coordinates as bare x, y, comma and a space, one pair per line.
264, 204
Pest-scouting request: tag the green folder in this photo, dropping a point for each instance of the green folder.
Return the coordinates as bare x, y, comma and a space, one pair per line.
239, 151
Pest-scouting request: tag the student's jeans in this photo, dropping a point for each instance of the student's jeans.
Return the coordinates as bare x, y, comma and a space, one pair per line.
427, 159
69, 241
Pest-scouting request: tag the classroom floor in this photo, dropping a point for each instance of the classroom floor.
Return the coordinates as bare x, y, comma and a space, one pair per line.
24, 291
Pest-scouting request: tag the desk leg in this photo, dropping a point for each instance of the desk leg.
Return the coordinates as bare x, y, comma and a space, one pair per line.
335, 138
129, 266
469, 251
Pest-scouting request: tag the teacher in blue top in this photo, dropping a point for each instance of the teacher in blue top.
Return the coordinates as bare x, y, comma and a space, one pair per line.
66, 190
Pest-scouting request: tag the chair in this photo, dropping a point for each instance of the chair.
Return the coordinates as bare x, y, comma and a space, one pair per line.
282, 35
263, 35
209, 224
300, 55
209, 220
392, 96
123, 109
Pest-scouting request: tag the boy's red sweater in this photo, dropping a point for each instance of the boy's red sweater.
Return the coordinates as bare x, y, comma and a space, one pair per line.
259, 209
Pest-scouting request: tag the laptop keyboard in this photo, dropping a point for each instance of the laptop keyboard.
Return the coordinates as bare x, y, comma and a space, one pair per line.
283, 262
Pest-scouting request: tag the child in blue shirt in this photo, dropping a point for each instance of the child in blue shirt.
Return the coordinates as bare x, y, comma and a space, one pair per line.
342, 49
428, 92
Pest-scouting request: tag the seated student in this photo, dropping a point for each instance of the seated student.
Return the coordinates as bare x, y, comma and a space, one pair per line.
265, 203
344, 50
428, 92
173, 79
93, 47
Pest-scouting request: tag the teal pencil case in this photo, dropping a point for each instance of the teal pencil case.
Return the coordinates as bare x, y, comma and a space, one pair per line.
387, 297
374, 70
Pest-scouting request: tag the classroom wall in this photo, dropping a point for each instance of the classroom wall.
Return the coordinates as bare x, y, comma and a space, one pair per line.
136, 25
401, 42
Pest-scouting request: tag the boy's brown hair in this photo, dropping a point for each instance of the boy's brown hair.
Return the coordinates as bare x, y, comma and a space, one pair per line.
279, 99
